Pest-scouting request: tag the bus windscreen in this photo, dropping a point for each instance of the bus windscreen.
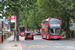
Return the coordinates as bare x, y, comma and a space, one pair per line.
55, 31
21, 29
55, 27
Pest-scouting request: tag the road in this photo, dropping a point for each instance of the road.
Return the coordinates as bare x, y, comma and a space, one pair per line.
42, 44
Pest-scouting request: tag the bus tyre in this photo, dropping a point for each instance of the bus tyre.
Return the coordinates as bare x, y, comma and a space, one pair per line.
25, 39
42, 37
46, 36
21, 36
32, 39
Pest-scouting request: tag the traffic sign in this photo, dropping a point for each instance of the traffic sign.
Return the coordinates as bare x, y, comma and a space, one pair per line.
2, 19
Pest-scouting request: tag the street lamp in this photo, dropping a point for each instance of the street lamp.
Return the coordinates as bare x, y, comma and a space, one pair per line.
2, 18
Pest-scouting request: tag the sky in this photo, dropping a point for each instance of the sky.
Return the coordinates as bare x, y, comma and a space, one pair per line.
1, 0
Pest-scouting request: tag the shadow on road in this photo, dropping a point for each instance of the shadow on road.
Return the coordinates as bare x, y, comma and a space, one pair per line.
64, 39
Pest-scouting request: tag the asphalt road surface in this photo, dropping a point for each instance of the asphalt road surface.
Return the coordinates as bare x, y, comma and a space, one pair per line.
43, 44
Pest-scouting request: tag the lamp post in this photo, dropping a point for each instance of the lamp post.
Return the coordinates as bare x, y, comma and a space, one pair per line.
2, 18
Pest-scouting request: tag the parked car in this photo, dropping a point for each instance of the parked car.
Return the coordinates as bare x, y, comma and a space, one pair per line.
29, 35
34, 33
25, 31
38, 33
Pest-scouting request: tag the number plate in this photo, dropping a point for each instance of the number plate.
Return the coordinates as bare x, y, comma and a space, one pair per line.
29, 36
55, 36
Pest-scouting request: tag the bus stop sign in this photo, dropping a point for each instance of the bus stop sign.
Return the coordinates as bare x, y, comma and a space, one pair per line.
13, 18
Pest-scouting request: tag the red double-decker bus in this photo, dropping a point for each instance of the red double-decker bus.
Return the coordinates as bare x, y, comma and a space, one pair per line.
22, 30
51, 28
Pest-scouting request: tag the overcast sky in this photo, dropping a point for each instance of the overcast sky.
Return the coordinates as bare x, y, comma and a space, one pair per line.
0, 0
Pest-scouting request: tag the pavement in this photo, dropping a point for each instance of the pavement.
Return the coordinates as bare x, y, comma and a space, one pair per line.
72, 39
10, 44
64, 38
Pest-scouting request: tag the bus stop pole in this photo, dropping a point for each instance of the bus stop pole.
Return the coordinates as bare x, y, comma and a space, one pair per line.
15, 22
15, 35
15, 29
15, 26
74, 33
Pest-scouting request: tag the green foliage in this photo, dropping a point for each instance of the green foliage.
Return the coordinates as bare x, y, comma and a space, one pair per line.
0, 6
32, 12
37, 10
4, 33
63, 34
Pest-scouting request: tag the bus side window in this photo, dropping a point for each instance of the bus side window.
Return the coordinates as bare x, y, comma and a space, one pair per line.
43, 30
49, 29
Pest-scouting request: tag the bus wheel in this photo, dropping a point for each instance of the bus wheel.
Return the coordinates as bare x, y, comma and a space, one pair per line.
25, 39
46, 36
32, 39
42, 37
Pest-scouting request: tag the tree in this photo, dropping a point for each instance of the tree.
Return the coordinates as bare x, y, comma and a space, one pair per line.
14, 6
68, 8
40, 10
32, 12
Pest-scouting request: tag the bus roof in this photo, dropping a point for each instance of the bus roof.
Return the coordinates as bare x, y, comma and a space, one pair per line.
49, 18
21, 26
46, 19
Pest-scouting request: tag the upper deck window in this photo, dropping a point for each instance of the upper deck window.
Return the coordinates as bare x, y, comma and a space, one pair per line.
54, 21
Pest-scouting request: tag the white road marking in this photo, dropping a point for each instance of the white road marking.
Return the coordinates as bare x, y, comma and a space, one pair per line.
69, 47
58, 44
65, 47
